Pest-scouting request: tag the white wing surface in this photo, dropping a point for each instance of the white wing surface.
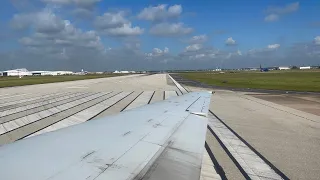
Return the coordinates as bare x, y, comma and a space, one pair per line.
164, 140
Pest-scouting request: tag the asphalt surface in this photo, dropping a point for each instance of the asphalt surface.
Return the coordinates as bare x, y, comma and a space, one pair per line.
284, 132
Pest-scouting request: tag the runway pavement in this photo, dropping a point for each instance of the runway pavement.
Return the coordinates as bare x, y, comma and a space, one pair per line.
32, 110
247, 137
253, 137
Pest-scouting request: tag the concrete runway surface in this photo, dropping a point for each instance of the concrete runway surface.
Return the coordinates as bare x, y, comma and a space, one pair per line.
247, 138
283, 131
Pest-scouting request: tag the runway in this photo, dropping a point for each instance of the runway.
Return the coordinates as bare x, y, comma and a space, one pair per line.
245, 130
32, 110
247, 137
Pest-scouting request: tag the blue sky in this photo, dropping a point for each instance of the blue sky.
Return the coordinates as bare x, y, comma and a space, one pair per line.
124, 34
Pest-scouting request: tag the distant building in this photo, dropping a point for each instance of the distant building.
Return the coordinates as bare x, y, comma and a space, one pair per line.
51, 73
284, 68
122, 72
305, 67
25, 72
17, 72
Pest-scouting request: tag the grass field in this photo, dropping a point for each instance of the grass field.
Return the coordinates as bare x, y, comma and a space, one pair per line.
29, 80
277, 80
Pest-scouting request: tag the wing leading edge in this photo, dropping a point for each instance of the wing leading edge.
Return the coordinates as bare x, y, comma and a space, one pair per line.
164, 140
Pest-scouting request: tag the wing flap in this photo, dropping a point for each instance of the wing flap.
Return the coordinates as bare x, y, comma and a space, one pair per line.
123, 146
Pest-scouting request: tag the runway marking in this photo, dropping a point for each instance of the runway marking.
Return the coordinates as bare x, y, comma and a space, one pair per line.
4, 95
169, 94
84, 115
44, 122
4, 105
37, 104
41, 108
179, 86
119, 106
209, 169
143, 99
14, 124
249, 162
157, 96
14, 96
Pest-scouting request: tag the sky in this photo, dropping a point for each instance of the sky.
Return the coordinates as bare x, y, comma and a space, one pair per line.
107, 35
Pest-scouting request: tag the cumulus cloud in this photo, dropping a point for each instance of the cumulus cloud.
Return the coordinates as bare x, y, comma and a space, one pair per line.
269, 50
239, 53
56, 37
198, 39
115, 24
160, 12
87, 4
83, 9
156, 52
273, 46
125, 30
230, 42
310, 49
289, 8
111, 20
170, 29
317, 40
306, 49
274, 12
82, 13
44, 21
193, 47
198, 51
132, 43
271, 18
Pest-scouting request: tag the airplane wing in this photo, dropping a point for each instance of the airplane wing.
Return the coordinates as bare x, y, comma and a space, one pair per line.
164, 140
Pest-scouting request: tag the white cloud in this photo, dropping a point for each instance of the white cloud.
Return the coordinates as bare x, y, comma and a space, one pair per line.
197, 51
289, 8
273, 46
82, 13
317, 40
166, 50
167, 29
44, 21
239, 53
80, 3
125, 30
311, 49
111, 20
160, 12
156, 52
262, 52
193, 47
53, 36
274, 12
198, 39
115, 24
230, 42
271, 18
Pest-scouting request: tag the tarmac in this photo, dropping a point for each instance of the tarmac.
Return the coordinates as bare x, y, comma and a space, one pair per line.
250, 135
282, 129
